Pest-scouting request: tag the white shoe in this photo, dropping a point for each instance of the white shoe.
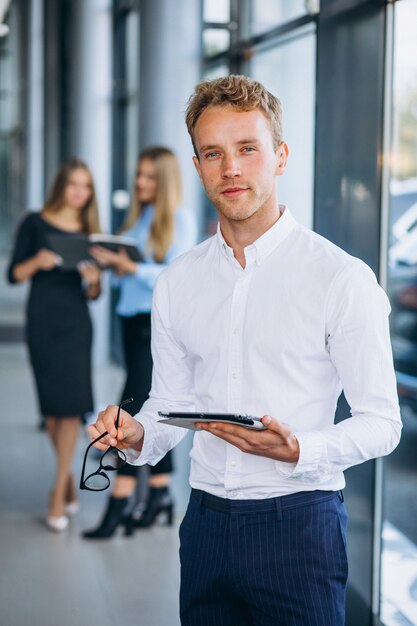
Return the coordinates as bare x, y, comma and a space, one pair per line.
72, 508
57, 524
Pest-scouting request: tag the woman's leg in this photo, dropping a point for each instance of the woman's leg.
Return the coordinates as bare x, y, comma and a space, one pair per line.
71, 492
136, 335
51, 426
160, 474
159, 499
63, 433
159, 480
124, 486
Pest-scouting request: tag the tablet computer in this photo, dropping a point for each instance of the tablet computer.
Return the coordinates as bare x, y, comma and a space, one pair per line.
189, 419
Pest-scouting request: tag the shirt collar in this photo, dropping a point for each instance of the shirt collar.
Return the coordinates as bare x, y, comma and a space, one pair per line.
266, 243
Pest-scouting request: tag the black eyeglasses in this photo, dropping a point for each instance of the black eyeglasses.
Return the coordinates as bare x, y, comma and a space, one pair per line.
111, 460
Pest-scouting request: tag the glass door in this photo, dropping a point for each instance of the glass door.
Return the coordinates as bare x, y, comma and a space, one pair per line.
399, 538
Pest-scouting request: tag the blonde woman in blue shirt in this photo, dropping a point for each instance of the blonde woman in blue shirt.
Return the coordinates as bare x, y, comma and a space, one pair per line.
163, 230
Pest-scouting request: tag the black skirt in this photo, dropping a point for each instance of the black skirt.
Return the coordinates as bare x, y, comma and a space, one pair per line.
59, 338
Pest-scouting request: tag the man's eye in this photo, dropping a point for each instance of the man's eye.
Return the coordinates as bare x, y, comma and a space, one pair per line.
211, 155
248, 149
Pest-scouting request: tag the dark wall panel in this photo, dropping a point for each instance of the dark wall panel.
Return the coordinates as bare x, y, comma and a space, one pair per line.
59, 39
349, 123
347, 211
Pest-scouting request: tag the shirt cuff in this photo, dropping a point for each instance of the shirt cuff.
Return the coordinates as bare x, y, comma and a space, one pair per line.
133, 457
311, 464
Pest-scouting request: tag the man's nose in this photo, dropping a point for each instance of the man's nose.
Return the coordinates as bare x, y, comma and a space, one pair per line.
231, 167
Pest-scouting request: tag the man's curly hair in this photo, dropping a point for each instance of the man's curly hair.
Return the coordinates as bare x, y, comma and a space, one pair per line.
239, 92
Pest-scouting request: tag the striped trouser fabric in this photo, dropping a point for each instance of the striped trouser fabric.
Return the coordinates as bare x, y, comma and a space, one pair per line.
275, 562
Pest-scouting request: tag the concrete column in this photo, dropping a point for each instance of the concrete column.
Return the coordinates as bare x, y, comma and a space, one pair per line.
170, 67
91, 121
35, 125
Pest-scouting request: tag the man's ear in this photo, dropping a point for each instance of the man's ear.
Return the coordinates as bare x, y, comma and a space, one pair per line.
282, 158
197, 166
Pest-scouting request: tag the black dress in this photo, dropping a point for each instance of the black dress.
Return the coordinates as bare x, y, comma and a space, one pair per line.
58, 327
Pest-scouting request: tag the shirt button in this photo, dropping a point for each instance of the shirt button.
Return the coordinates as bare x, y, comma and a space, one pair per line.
233, 494
235, 331
234, 375
233, 463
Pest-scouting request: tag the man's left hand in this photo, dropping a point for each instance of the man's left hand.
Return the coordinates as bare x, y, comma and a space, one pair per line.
275, 442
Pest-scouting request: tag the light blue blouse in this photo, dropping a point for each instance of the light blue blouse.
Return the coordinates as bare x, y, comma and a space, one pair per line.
136, 290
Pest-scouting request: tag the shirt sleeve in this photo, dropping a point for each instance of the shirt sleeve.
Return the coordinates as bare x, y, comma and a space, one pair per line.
358, 343
172, 385
148, 272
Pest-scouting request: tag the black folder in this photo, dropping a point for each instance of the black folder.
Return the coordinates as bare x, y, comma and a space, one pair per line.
74, 247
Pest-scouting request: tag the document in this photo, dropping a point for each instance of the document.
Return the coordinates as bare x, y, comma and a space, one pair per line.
74, 247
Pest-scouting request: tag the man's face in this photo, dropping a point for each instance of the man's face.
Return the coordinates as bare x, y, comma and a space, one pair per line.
237, 163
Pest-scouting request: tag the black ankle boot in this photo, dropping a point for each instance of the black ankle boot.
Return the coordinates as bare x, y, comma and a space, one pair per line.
159, 502
113, 517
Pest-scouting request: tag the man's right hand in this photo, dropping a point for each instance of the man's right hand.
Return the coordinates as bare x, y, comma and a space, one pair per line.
129, 434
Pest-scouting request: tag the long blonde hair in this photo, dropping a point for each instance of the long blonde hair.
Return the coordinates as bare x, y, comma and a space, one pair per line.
168, 197
55, 199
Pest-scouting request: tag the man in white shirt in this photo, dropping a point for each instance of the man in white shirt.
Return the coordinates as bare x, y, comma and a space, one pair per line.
265, 318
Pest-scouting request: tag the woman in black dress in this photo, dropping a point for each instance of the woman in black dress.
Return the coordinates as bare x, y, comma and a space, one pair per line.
58, 324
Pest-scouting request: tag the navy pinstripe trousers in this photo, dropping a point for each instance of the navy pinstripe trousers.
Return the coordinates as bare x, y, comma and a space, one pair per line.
275, 562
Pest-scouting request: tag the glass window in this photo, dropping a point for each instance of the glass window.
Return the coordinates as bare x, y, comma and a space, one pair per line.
399, 542
12, 164
11, 131
288, 71
215, 40
267, 14
132, 89
216, 11
216, 72
132, 48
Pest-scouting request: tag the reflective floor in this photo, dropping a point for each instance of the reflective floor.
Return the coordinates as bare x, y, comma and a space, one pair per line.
399, 578
399, 537
48, 579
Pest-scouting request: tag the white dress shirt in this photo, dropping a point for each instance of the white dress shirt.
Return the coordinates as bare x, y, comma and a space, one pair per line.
282, 337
